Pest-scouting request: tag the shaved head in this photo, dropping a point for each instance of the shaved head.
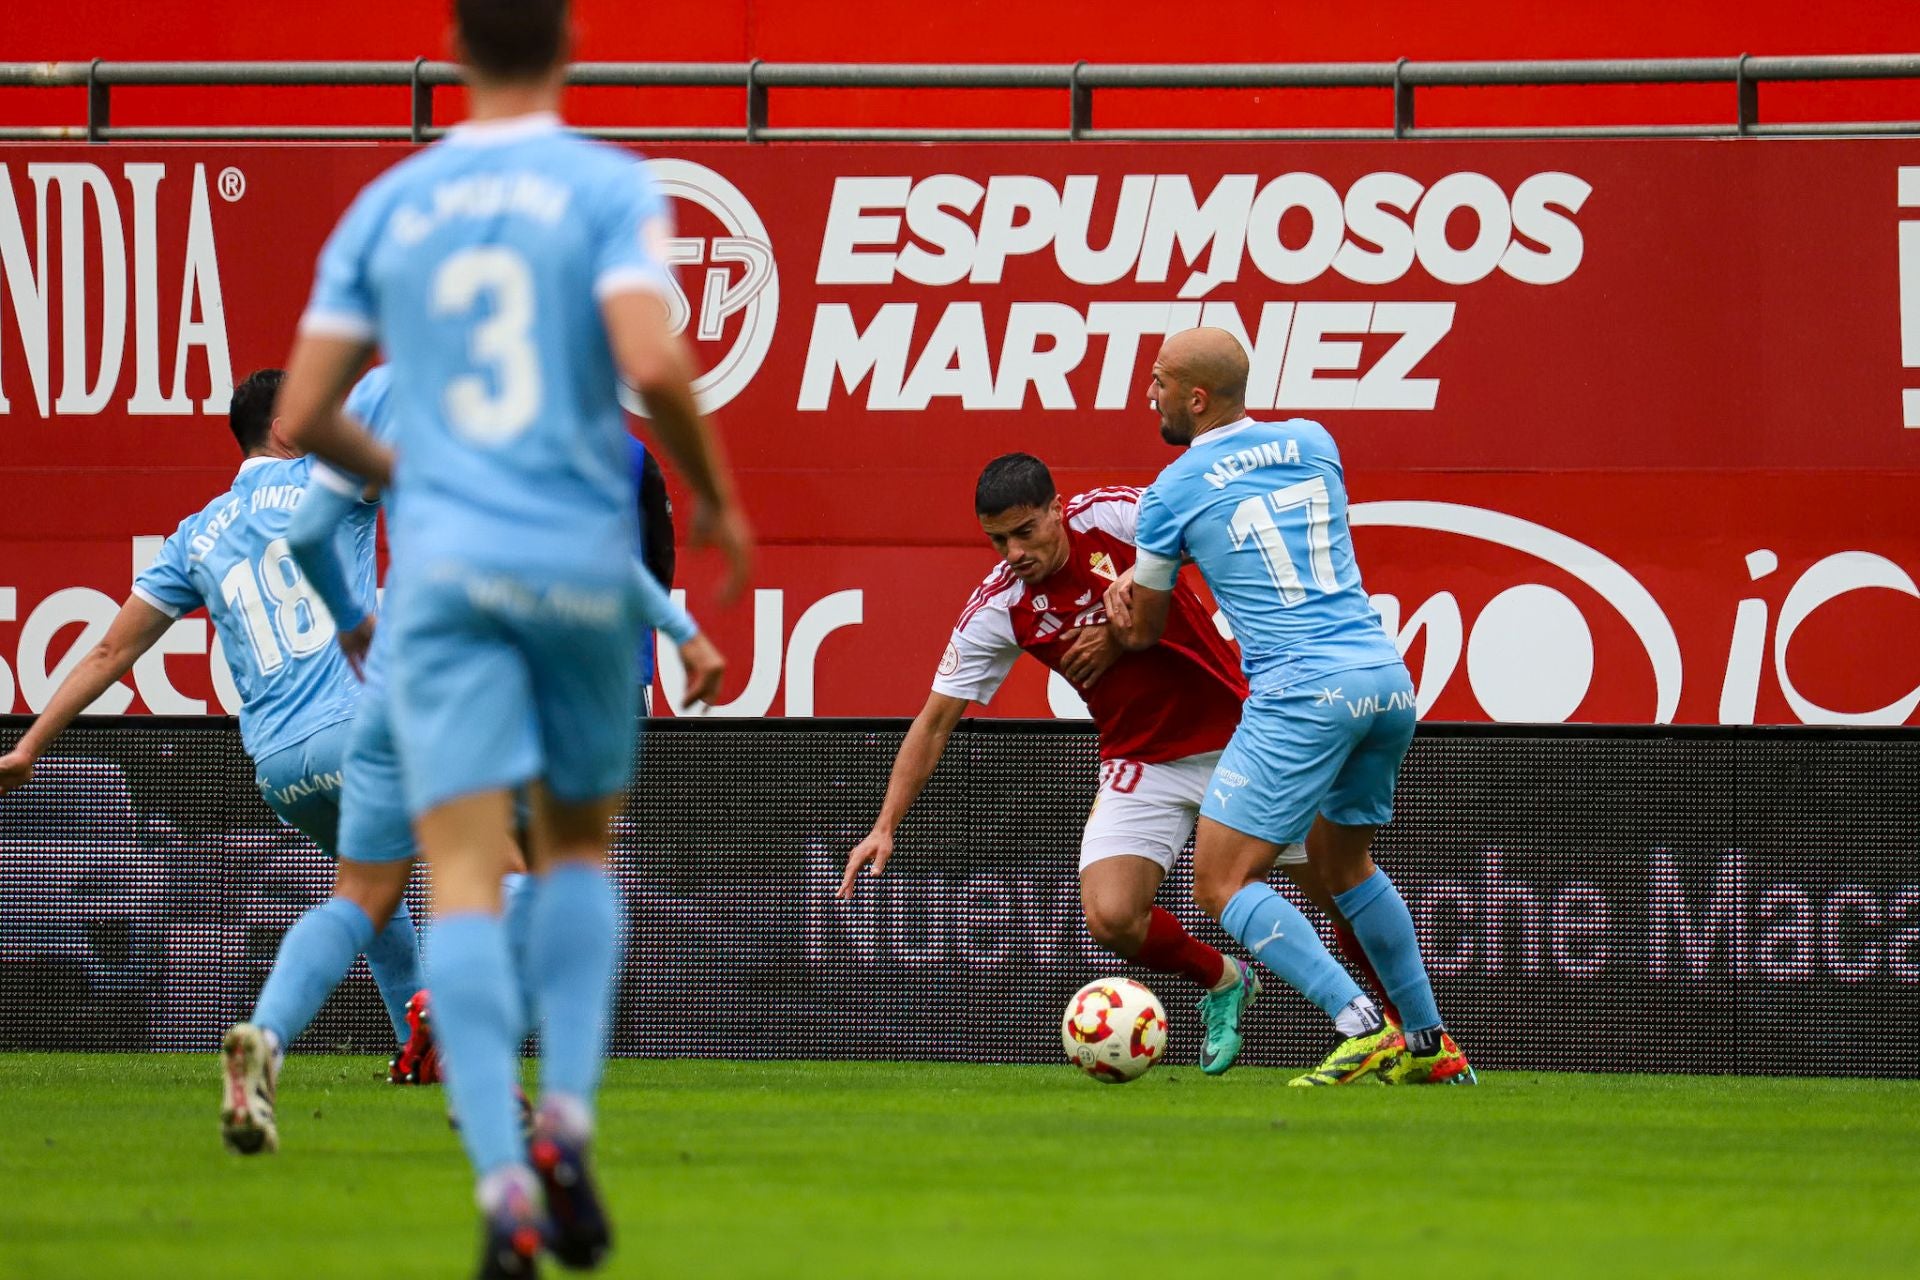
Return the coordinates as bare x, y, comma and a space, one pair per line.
1199, 382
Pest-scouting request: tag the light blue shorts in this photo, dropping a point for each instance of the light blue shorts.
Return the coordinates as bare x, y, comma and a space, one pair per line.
1330, 747
373, 807
499, 679
302, 784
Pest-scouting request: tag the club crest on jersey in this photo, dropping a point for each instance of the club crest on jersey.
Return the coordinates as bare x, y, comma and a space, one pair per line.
1102, 563
1039, 604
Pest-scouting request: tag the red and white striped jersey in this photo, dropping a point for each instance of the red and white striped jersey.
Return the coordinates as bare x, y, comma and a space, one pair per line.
1179, 698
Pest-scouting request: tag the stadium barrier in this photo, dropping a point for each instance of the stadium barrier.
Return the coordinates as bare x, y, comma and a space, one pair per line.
1398, 83
1648, 899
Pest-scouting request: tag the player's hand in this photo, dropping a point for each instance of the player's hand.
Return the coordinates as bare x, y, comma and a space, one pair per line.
16, 770
726, 528
355, 643
704, 667
875, 849
1093, 651
1119, 601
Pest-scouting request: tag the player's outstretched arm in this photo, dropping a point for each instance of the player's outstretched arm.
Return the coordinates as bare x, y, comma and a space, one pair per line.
134, 630
925, 742
319, 372
656, 363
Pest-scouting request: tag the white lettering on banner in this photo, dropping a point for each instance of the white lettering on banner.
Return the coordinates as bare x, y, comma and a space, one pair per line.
1605, 577
100, 238
771, 657
38, 680
1374, 234
1907, 191
1297, 362
943, 229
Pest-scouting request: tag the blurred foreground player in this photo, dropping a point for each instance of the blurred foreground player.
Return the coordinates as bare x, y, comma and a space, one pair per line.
1261, 508
510, 271
1164, 716
297, 692
376, 839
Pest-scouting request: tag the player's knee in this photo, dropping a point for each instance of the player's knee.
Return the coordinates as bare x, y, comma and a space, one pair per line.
1122, 931
373, 887
1213, 889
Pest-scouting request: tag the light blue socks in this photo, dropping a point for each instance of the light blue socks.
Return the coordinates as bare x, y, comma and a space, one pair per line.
313, 958
572, 949
1385, 928
1273, 930
394, 959
475, 1016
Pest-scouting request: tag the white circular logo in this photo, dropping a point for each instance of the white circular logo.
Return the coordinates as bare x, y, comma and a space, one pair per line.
740, 277
232, 183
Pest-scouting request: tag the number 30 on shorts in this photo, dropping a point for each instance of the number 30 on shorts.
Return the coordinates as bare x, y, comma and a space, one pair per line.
1119, 776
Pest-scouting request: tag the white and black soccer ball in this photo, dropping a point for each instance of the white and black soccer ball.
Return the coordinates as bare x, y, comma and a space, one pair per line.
1114, 1029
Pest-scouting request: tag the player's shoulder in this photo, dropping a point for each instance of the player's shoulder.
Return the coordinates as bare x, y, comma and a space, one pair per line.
597, 168
1083, 509
998, 592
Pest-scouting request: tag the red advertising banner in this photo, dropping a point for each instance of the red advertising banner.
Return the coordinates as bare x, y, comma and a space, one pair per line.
1632, 429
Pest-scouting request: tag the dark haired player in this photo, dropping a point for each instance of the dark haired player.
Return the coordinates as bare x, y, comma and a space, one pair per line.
513, 272
1164, 716
297, 693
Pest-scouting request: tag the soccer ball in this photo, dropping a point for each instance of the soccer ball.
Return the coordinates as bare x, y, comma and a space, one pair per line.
1114, 1029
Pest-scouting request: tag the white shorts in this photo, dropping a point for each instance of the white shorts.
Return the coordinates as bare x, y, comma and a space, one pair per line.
1148, 810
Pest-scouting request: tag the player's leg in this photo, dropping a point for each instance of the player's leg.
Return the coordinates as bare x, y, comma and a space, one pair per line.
571, 957
1340, 846
1306, 877
463, 719
1261, 802
304, 785
1141, 818
588, 718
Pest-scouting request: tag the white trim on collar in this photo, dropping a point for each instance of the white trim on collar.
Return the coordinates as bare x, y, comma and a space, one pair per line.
493, 133
1222, 433
257, 461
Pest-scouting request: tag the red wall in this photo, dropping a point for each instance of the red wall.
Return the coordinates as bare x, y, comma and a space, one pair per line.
1002, 31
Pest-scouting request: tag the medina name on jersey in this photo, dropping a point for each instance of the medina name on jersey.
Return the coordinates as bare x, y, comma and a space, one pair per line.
1261, 508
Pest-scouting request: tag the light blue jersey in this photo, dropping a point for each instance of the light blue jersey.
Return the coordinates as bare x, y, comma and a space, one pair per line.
1261, 508
479, 265
276, 633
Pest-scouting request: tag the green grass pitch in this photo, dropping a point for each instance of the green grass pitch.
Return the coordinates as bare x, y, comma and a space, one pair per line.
111, 1166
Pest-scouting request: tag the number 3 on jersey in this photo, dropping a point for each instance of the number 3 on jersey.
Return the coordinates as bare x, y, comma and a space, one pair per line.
299, 624
1255, 520
491, 409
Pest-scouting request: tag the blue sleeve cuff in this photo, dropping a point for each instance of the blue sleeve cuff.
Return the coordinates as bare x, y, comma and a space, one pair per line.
658, 610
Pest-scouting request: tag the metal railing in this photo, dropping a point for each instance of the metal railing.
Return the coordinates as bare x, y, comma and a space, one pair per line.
1077, 82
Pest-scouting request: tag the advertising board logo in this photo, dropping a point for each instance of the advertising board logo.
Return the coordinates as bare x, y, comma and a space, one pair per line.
1531, 655
727, 281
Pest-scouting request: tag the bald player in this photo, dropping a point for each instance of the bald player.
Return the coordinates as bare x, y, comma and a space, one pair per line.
1261, 508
